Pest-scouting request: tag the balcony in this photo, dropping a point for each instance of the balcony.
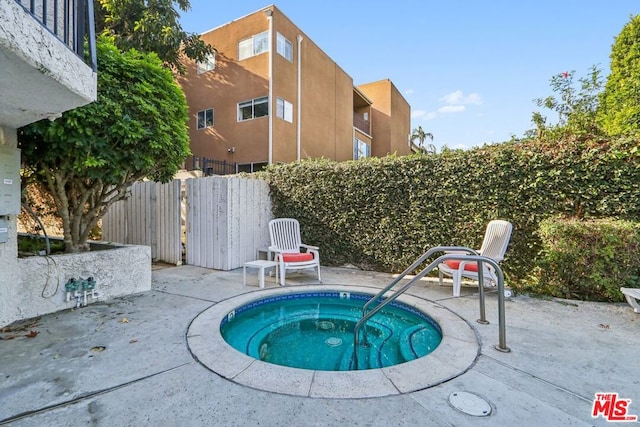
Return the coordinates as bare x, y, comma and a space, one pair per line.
361, 111
42, 58
360, 123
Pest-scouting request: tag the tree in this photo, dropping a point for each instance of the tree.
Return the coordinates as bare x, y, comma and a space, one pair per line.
619, 112
576, 107
419, 134
87, 158
151, 26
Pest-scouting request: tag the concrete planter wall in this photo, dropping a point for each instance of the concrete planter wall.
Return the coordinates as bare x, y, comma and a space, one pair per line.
123, 270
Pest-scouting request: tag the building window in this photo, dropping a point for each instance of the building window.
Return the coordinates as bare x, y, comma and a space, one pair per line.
251, 167
207, 65
205, 119
360, 149
284, 47
258, 107
253, 46
284, 110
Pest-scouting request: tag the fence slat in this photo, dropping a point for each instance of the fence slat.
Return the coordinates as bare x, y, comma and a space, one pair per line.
149, 216
168, 239
225, 220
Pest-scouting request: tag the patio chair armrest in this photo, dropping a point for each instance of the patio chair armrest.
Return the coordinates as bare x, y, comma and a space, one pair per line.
463, 250
315, 248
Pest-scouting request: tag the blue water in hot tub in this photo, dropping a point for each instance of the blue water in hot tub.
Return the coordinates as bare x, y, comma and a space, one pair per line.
314, 330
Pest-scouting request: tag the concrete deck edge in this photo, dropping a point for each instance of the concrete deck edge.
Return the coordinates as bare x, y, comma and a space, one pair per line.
456, 353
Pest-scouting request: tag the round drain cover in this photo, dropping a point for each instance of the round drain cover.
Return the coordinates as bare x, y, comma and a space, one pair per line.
470, 404
333, 341
326, 325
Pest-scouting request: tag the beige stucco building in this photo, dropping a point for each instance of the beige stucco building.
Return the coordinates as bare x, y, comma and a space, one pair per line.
271, 95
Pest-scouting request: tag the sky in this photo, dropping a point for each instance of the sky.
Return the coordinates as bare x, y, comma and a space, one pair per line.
470, 69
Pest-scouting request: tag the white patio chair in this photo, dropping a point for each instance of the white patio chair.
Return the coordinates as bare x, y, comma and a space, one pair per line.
287, 248
633, 296
494, 246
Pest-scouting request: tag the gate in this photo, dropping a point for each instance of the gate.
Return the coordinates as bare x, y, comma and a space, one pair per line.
221, 220
227, 221
150, 216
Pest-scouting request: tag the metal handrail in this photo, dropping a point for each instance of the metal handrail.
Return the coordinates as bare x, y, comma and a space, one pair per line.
412, 267
470, 255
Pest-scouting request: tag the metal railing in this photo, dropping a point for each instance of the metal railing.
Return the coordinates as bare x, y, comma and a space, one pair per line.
71, 21
369, 310
214, 167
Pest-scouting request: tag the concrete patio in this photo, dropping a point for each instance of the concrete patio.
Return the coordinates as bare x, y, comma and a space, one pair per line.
126, 362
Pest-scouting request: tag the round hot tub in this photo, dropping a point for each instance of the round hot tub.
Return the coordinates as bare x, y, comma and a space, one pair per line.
315, 330
298, 340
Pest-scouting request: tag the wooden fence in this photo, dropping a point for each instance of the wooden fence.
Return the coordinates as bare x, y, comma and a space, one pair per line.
150, 216
219, 221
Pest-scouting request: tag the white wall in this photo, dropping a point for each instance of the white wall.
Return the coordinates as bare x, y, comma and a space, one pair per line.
10, 274
40, 77
34, 286
41, 288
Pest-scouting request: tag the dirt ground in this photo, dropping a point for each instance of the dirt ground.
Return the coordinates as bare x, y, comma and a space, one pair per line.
41, 204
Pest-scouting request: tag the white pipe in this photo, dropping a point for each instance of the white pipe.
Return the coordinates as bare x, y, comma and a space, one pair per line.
269, 14
298, 134
355, 146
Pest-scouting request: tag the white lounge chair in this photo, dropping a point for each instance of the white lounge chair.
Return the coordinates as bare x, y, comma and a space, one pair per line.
286, 247
494, 246
633, 296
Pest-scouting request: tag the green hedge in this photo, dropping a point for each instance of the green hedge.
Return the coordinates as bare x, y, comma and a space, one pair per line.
382, 213
587, 260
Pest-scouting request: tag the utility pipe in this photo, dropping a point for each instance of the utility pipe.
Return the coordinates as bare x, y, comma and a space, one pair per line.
269, 13
298, 135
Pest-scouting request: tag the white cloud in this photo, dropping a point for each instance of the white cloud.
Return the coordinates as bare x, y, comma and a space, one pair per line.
452, 109
408, 92
455, 103
424, 115
459, 98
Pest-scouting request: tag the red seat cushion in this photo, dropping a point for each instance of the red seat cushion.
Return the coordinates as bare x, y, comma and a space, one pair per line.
455, 264
297, 257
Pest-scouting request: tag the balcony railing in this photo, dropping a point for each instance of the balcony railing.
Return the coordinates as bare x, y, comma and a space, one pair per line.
360, 123
71, 21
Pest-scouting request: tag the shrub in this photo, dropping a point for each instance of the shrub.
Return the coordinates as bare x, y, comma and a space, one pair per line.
382, 213
587, 260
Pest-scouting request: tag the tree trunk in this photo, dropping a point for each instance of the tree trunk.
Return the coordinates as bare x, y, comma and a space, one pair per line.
80, 206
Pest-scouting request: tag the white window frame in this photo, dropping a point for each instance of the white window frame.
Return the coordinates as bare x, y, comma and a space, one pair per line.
252, 105
204, 119
245, 49
360, 149
254, 45
207, 65
284, 110
284, 47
